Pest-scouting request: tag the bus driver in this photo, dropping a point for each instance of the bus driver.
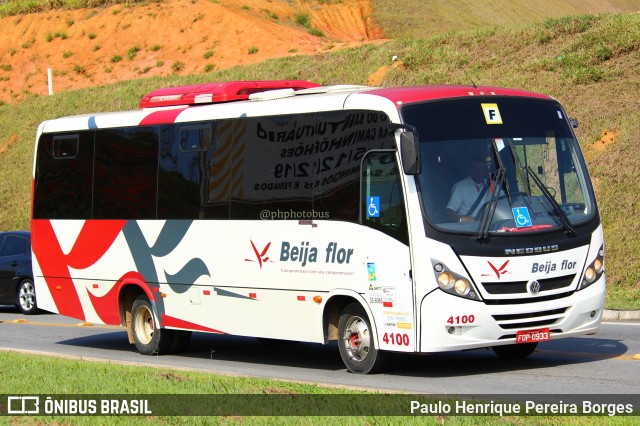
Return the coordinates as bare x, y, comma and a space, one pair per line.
469, 194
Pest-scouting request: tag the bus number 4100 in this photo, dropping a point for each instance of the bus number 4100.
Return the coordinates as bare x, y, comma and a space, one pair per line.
464, 319
396, 339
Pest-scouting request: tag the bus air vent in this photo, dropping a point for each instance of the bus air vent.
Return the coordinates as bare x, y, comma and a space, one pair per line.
337, 88
270, 95
211, 93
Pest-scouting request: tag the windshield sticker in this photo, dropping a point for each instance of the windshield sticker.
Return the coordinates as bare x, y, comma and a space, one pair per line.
373, 209
491, 113
560, 115
521, 216
371, 271
500, 144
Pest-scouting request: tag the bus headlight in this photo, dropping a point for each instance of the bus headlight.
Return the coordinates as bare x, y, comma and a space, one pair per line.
593, 271
590, 274
445, 280
453, 283
462, 287
598, 265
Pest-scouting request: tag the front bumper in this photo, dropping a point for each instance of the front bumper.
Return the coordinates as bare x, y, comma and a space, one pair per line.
452, 323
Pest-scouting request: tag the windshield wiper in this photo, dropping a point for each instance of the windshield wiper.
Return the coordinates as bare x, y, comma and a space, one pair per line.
490, 209
487, 214
568, 229
500, 164
520, 168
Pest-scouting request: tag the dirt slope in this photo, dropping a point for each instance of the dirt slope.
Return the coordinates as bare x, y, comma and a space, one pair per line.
89, 47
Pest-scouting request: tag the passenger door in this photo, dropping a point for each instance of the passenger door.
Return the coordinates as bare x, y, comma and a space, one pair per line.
386, 241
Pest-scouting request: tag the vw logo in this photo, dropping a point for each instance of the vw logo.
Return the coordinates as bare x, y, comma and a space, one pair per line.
533, 287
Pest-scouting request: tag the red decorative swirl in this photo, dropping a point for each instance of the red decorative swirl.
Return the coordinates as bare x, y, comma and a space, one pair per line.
92, 243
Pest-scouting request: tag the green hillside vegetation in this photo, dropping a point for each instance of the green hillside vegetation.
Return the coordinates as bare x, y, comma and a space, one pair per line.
590, 63
20, 7
419, 19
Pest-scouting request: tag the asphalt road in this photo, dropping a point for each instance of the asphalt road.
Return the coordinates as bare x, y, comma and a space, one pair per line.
605, 363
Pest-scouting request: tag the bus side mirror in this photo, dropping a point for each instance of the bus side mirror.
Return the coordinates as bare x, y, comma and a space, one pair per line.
574, 122
410, 153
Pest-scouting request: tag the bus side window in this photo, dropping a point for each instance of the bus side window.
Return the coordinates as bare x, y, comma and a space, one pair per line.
273, 167
194, 171
125, 173
64, 176
382, 201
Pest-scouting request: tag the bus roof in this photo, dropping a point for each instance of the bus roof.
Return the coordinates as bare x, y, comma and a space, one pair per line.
410, 94
258, 98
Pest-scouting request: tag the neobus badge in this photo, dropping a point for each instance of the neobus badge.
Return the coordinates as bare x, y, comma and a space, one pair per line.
532, 250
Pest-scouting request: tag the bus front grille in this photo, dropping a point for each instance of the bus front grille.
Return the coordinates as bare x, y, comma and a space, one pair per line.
530, 319
520, 287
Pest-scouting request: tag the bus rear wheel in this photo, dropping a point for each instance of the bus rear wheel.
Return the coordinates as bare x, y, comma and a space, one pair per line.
356, 341
516, 351
147, 336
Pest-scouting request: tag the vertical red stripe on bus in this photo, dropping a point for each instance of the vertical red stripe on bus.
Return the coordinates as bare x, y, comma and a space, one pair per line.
94, 240
161, 117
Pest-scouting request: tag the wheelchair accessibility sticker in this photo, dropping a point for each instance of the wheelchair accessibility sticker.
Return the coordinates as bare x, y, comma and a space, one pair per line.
373, 209
521, 216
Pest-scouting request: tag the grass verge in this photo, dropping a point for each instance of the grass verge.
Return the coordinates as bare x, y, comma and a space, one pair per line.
42, 375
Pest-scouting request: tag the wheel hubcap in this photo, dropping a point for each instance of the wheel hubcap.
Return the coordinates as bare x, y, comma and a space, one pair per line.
356, 339
144, 325
27, 296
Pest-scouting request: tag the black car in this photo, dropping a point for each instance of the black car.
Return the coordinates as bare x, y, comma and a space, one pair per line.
16, 275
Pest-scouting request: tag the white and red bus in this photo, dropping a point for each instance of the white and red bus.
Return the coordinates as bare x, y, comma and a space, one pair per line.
287, 210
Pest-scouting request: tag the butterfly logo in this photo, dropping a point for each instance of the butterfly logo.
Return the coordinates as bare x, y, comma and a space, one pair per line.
261, 256
498, 271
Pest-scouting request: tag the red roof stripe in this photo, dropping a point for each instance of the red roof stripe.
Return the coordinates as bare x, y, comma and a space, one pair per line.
161, 117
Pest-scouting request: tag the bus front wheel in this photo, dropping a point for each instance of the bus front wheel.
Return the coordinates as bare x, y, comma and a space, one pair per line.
521, 350
147, 336
356, 342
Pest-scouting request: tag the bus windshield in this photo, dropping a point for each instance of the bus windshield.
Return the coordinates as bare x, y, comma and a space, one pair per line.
499, 165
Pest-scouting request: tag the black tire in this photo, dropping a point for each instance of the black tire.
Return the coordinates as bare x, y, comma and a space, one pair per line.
515, 351
356, 342
27, 297
148, 338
